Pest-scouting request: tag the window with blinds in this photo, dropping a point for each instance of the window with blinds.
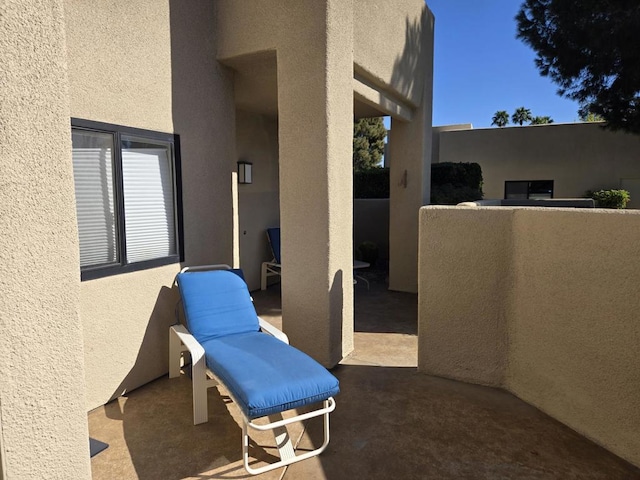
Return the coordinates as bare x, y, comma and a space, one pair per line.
127, 198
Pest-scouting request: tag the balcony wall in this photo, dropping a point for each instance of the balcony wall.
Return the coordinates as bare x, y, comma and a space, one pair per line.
541, 302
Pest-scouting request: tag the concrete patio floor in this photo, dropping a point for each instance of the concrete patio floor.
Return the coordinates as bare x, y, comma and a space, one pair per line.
390, 421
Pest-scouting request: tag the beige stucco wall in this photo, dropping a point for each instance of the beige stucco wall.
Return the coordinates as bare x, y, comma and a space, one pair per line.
396, 63
552, 294
410, 152
315, 109
150, 65
390, 73
259, 208
126, 320
437, 130
43, 426
577, 157
466, 280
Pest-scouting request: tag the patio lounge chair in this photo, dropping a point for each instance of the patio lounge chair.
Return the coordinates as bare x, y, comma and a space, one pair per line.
265, 376
272, 268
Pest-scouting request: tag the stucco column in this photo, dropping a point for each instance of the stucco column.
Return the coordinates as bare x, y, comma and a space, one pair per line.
43, 422
410, 178
315, 107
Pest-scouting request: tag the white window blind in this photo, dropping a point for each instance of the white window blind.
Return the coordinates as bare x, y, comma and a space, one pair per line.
93, 173
148, 200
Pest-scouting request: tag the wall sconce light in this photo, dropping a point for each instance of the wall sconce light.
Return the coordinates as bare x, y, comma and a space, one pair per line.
245, 174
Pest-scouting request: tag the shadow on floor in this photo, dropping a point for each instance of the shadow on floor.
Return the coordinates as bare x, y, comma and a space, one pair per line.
152, 436
398, 423
390, 421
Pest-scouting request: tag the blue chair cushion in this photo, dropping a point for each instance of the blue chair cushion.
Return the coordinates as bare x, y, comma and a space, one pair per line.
267, 376
274, 240
216, 303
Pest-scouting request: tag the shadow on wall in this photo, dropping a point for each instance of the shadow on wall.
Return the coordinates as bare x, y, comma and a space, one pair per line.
152, 361
413, 58
203, 115
337, 307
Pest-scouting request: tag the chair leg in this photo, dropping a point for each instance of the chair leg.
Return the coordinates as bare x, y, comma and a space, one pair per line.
263, 277
283, 440
199, 384
285, 451
361, 278
175, 354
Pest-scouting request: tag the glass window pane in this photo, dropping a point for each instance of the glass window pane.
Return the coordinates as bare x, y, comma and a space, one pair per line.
518, 190
148, 199
541, 189
93, 175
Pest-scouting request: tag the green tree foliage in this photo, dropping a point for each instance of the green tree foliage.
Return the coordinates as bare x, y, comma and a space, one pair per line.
591, 117
521, 115
368, 143
500, 119
590, 50
541, 120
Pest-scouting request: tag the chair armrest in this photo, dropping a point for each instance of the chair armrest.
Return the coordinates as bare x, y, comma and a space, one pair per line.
189, 341
273, 331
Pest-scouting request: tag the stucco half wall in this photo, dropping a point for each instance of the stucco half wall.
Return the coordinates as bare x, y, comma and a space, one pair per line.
541, 302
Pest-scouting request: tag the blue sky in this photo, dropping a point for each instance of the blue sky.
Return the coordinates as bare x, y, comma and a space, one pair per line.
480, 67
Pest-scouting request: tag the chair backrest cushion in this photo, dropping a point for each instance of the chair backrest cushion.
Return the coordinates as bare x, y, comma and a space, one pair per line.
274, 240
216, 303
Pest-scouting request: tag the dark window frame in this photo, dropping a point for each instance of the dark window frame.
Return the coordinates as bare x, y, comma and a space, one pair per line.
117, 131
529, 182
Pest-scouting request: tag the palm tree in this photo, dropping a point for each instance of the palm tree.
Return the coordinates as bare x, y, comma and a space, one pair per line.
541, 120
591, 117
521, 115
500, 119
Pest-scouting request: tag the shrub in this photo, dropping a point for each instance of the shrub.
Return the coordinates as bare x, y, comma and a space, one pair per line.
463, 174
372, 183
610, 198
453, 194
452, 183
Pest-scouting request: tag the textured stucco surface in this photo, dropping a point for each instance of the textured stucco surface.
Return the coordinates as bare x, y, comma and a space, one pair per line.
151, 65
574, 333
126, 321
577, 157
394, 62
315, 103
259, 209
561, 285
390, 72
204, 117
409, 147
246, 26
43, 425
469, 280
119, 56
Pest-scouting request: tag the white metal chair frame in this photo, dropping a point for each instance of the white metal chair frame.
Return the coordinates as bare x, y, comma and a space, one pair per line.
202, 378
269, 269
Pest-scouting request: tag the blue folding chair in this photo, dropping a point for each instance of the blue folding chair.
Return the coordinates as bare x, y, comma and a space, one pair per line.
274, 267
229, 343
